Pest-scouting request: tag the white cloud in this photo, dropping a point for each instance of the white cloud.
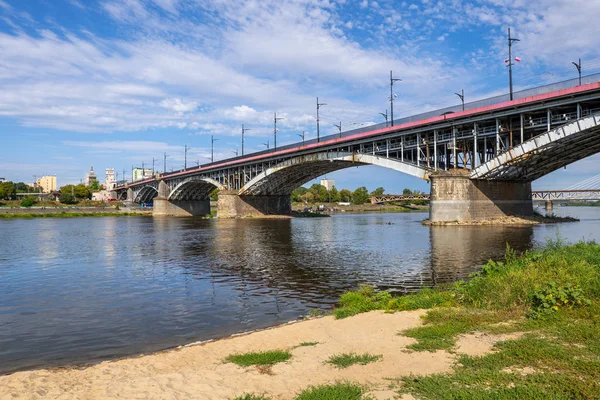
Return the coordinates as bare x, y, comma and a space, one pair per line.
178, 105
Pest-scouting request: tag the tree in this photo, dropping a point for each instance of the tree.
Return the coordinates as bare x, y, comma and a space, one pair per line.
407, 191
214, 196
308, 197
319, 192
345, 195
334, 195
298, 193
360, 195
21, 187
80, 191
378, 192
94, 186
7, 190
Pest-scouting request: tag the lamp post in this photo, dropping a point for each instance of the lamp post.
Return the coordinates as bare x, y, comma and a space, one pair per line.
318, 107
386, 117
275, 119
235, 152
212, 148
578, 66
510, 63
461, 95
302, 136
339, 127
153, 160
185, 150
165, 163
392, 80
266, 144
243, 131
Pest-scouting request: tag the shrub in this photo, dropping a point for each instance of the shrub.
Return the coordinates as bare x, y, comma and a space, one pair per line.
67, 198
27, 202
553, 297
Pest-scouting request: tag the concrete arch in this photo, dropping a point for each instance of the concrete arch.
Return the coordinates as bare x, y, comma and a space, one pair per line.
146, 194
281, 179
195, 188
544, 153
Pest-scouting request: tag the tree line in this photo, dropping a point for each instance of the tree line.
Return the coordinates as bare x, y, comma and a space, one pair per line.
318, 193
70, 194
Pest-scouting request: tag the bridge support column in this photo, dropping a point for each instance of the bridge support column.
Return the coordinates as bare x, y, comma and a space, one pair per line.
549, 205
177, 208
456, 197
130, 195
232, 205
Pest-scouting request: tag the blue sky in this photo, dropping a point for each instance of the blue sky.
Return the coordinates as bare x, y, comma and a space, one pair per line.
114, 83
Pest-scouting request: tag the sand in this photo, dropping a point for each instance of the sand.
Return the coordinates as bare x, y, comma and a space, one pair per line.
198, 371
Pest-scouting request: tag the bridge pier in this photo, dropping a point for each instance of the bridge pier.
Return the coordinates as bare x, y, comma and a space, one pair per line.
456, 197
232, 205
162, 206
549, 205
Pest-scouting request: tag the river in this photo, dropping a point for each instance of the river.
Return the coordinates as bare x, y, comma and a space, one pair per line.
83, 290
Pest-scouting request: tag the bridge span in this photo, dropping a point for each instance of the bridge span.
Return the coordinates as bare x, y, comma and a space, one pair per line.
480, 161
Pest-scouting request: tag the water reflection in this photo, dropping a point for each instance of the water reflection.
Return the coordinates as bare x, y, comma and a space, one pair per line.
94, 288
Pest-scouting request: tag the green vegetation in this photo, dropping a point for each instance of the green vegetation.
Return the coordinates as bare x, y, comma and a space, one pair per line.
64, 214
307, 344
337, 391
347, 359
551, 297
259, 358
319, 194
27, 202
247, 396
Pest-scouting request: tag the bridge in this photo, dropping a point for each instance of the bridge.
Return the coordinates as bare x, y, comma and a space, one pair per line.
480, 162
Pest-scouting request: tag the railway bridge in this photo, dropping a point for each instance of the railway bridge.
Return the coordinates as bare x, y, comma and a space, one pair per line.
480, 162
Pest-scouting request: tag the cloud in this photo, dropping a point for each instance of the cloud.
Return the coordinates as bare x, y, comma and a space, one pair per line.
178, 105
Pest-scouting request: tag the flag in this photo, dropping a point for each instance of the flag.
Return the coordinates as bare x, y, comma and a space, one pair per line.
507, 60
517, 59
395, 95
276, 130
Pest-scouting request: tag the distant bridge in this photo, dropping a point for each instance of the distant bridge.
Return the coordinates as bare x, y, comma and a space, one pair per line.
480, 161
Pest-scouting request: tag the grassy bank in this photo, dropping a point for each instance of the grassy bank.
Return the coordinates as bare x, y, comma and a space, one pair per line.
64, 214
551, 298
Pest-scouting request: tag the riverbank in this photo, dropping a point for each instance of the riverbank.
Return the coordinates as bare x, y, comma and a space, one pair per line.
68, 213
535, 219
528, 327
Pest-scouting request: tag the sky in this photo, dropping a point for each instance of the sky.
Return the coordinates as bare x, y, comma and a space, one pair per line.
118, 83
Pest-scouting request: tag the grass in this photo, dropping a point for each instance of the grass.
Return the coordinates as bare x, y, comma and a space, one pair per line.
64, 214
261, 358
248, 396
307, 344
347, 359
337, 391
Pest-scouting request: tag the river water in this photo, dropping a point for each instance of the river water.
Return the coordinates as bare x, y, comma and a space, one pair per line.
87, 289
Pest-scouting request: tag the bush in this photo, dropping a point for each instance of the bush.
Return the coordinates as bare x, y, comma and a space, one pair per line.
66, 198
553, 297
27, 202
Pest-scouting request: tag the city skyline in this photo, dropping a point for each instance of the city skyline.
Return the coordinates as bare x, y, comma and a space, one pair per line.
120, 83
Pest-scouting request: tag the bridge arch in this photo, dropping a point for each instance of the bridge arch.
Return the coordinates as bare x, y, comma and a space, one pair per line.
544, 153
195, 188
286, 176
146, 194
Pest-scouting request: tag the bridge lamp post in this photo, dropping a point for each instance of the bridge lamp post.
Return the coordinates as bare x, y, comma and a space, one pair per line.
461, 95
212, 148
302, 136
392, 96
165, 162
275, 119
386, 117
510, 63
243, 131
318, 107
185, 150
266, 144
578, 66
339, 127
235, 152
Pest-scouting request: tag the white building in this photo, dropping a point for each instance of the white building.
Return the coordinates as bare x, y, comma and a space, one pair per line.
139, 174
109, 181
328, 183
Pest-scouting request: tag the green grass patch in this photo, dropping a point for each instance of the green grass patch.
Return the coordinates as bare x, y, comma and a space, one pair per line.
307, 344
347, 359
337, 391
270, 357
64, 214
248, 396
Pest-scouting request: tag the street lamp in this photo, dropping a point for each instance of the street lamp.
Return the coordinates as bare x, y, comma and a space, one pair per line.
243, 131
386, 117
319, 106
578, 66
302, 136
275, 119
266, 144
510, 63
235, 152
392, 96
339, 127
185, 150
212, 148
165, 163
462, 97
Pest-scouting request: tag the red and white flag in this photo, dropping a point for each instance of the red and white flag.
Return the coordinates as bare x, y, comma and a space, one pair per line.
507, 60
517, 59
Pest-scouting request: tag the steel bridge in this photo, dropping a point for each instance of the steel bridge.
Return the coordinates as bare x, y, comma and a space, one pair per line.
492, 140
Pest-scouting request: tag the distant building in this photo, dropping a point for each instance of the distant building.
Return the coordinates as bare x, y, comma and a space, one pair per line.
90, 177
109, 180
328, 183
47, 183
139, 174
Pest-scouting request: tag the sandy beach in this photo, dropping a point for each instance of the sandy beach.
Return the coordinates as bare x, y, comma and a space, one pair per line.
199, 371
